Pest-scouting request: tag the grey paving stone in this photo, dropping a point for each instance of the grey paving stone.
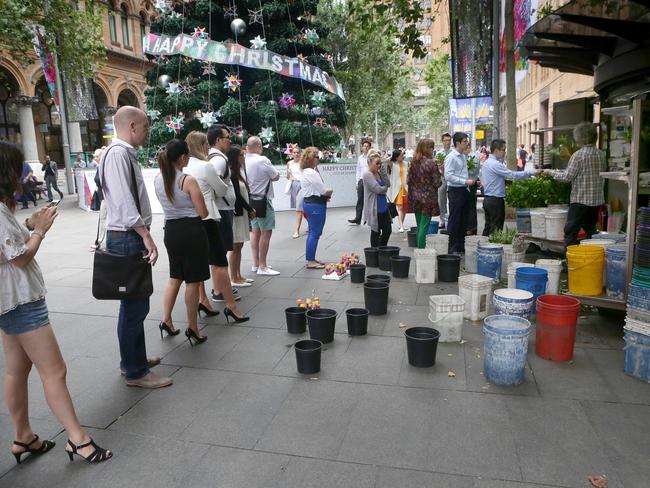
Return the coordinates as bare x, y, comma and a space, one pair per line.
330, 356
487, 483
313, 420
408, 315
260, 351
408, 478
316, 473
376, 323
450, 358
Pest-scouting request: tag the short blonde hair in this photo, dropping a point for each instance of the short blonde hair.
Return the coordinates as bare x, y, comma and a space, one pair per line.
309, 158
196, 142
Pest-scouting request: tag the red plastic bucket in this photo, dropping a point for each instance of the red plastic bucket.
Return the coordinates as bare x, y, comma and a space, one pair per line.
557, 317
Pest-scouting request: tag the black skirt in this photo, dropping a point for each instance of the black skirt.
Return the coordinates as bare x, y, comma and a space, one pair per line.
187, 248
217, 250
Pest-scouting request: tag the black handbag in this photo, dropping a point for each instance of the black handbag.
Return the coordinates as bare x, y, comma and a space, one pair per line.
259, 203
117, 277
392, 210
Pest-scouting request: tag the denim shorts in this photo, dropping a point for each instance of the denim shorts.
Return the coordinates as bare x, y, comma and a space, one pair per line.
25, 318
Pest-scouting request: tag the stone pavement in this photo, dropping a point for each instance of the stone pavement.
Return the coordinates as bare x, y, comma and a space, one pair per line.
239, 415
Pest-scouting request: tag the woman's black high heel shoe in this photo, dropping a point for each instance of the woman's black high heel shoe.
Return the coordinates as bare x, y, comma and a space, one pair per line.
45, 446
97, 456
229, 313
206, 311
193, 336
171, 332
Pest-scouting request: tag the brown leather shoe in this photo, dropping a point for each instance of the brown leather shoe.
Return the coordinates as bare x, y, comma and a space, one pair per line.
151, 362
151, 381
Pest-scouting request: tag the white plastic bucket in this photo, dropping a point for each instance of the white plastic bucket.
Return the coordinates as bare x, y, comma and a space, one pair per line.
537, 225
439, 242
446, 315
476, 290
471, 243
512, 271
510, 256
555, 221
554, 268
425, 265
605, 243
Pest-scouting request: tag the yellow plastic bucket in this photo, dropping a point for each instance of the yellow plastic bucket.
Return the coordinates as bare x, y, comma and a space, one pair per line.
586, 265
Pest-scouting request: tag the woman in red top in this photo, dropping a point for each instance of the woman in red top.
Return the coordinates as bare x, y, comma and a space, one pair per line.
424, 179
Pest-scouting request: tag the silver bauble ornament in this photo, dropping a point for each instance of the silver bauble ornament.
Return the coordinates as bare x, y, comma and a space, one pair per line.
164, 81
238, 27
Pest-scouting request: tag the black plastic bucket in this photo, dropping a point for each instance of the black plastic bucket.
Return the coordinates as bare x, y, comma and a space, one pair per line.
385, 253
357, 321
421, 346
296, 320
375, 295
372, 257
448, 268
414, 228
308, 356
400, 265
379, 277
412, 236
357, 273
321, 322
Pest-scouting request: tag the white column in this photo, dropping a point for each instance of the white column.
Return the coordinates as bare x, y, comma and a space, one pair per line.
27, 131
74, 134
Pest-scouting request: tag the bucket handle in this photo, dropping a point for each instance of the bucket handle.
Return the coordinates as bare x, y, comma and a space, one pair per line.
580, 267
443, 317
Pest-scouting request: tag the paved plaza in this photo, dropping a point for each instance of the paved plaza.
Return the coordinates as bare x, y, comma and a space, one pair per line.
240, 416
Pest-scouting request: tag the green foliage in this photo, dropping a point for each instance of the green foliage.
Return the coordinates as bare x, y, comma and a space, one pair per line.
504, 236
438, 78
539, 191
74, 33
565, 149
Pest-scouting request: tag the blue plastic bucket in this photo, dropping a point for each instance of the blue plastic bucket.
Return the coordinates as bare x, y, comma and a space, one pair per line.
637, 355
615, 270
510, 301
433, 227
638, 297
523, 220
533, 280
488, 260
505, 349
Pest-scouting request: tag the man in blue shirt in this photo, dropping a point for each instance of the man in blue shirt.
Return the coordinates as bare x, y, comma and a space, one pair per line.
457, 178
494, 175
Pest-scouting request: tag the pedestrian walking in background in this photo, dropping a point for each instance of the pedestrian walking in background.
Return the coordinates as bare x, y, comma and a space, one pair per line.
362, 167
294, 174
442, 191
27, 185
50, 173
398, 190
27, 336
375, 207
185, 238
315, 198
424, 181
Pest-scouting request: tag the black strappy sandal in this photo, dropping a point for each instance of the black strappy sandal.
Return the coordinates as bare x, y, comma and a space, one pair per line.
45, 446
97, 456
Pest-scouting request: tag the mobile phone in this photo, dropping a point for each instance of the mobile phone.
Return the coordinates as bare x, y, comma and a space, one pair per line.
54, 203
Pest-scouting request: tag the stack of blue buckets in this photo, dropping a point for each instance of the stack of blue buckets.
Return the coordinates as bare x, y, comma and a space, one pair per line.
637, 324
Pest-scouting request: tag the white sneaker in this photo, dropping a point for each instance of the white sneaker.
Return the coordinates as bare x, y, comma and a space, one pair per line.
250, 280
267, 272
240, 285
255, 268
401, 230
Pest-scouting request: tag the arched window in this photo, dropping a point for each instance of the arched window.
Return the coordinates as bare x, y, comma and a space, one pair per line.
126, 37
112, 28
143, 25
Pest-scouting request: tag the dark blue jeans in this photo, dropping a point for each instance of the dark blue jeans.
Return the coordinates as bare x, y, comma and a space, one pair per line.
130, 324
316, 213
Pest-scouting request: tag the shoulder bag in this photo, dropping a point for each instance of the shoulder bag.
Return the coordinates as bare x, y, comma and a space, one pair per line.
259, 202
117, 277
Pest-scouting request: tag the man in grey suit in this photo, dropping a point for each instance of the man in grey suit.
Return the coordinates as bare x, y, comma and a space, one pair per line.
50, 174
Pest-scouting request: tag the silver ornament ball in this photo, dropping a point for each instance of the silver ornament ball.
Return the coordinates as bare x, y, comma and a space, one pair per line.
164, 81
238, 27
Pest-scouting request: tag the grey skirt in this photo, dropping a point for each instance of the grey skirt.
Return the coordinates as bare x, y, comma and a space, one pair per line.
295, 189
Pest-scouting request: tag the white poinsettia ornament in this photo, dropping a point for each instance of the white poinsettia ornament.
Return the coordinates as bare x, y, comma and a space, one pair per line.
267, 134
258, 43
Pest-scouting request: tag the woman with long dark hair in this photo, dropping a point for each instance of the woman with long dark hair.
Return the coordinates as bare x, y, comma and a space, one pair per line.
243, 213
27, 337
185, 238
423, 180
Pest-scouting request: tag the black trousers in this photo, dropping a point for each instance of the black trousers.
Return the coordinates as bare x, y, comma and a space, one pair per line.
385, 228
457, 224
359, 213
495, 214
471, 216
580, 216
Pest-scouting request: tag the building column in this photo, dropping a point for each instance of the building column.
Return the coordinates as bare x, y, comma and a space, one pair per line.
74, 137
27, 131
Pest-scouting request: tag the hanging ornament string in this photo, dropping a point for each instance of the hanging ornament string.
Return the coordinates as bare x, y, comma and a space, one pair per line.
210, 70
152, 111
275, 108
180, 63
302, 85
241, 115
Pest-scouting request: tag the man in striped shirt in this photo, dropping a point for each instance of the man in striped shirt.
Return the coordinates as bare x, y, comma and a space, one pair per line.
583, 172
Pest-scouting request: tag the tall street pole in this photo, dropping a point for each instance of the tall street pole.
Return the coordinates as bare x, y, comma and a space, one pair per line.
496, 66
511, 95
65, 142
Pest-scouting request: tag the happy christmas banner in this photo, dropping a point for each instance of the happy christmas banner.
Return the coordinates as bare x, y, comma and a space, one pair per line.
231, 53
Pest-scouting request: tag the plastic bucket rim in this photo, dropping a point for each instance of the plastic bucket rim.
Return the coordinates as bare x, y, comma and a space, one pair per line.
357, 312
434, 332
542, 300
314, 313
499, 293
521, 331
295, 310
318, 345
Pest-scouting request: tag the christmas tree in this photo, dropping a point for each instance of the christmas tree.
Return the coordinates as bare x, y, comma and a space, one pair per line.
188, 94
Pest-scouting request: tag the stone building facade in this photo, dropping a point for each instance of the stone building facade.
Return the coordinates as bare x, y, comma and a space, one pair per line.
27, 113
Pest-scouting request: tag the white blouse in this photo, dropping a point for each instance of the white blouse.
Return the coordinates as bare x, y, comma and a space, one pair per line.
294, 170
18, 285
211, 185
311, 183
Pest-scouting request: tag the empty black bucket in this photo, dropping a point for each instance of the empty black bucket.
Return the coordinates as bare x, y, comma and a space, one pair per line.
321, 322
412, 236
357, 321
448, 268
385, 252
379, 277
308, 356
414, 228
296, 320
375, 294
372, 257
357, 273
400, 265
421, 346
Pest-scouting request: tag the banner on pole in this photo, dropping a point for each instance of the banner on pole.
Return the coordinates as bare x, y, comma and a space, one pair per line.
460, 113
46, 58
231, 53
525, 14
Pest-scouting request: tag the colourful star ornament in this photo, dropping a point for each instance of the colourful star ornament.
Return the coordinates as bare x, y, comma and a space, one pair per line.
175, 124
287, 101
232, 83
258, 43
290, 148
321, 122
267, 134
310, 36
200, 33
